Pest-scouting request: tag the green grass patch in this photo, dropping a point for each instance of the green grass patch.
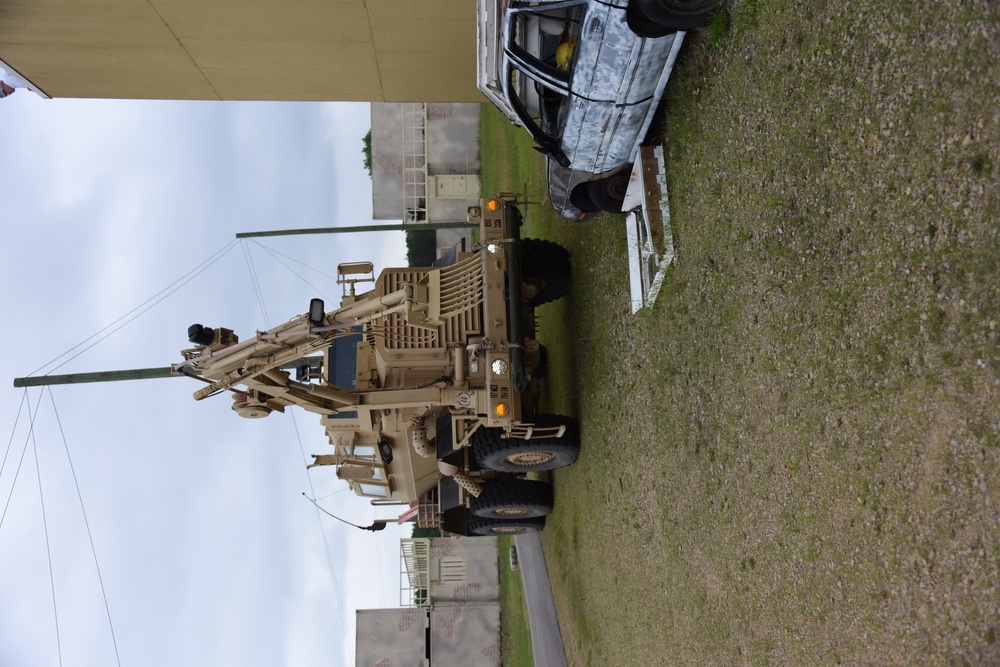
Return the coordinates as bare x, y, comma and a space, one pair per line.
515, 635
793, 458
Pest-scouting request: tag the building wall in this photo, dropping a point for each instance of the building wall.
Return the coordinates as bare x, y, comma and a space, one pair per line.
462, 622
454, 636
366, 50
452, 148
482, 582
387, 161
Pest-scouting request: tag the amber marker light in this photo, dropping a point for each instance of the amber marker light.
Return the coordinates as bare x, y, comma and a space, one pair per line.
501, 409
493, 204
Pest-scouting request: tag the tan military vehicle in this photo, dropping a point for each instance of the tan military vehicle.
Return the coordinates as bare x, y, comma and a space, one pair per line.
426, 383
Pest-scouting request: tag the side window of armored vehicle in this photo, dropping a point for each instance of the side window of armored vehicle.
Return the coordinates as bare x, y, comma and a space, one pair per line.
374, 491
542, 45
366, 452
375, 486
342, 360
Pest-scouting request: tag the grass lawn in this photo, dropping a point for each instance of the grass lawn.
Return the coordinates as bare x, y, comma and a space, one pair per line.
793, 458
515, 640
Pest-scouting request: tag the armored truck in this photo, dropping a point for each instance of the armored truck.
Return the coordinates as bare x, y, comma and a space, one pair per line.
426, 384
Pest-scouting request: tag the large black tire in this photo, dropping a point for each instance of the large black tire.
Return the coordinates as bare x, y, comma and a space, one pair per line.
609, 193
514, 499
642, 25
494, 452
675, 14
483, 526
546, 265
542, 370
580, 197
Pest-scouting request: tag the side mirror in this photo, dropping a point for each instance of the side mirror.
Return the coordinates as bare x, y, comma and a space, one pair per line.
317, 312
556, 155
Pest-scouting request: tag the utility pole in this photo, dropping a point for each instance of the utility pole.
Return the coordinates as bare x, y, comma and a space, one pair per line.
101, 376
133, 374
405, 227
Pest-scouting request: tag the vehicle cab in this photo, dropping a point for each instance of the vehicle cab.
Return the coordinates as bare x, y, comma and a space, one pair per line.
577, 78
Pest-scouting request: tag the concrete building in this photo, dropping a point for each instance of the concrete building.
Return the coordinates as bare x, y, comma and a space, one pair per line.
346, 50
425, 164
451, 616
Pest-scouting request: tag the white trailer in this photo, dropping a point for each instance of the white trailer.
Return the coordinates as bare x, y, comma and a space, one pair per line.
647, 227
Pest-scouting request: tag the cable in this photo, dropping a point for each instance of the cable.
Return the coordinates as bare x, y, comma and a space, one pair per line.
31, 426
141, 308
326, 546
45, 528
13, 430
297, 261
376, 524
295, 273
86, 522
342, 490
255, 281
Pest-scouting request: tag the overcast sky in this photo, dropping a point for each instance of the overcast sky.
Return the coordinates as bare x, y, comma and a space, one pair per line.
208, 552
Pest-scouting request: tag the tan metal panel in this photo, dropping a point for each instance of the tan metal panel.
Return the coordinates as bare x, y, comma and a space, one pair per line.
307, 85
261, 55
417, 56
421, 10
424, 36
90, 71
402, 50
327, 23
405, 80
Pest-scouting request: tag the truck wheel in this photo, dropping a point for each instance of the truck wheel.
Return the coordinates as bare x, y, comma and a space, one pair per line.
483, 526
642, 25
675, 14
609, 193
515, 455
547, 266
542, 369
514, 499
579, 196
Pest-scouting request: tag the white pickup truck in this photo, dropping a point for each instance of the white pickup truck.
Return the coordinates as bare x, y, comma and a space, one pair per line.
584, 78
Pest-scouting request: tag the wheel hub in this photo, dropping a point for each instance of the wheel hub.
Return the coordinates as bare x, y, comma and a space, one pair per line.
617, 188
683, 5
512, 511
527, 459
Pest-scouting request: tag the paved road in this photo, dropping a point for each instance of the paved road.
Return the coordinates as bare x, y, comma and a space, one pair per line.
546, 640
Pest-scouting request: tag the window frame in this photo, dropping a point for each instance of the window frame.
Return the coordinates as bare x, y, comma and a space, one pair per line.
547, 75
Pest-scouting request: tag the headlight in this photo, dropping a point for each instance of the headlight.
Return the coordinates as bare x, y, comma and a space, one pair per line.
495, 247
500, 367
